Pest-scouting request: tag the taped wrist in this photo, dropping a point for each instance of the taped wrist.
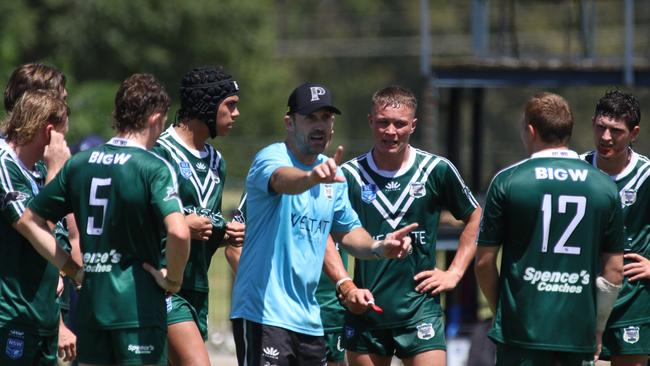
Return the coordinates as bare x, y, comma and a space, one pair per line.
606, 294
346, 287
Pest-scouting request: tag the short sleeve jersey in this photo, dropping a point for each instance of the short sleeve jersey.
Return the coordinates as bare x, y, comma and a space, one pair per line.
555, 215
282, 257
201, 176
331, 311
120, 194
28, 282
633, 183
387, 201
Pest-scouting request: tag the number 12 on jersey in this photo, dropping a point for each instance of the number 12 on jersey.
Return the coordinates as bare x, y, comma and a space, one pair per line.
547, 211
93, 200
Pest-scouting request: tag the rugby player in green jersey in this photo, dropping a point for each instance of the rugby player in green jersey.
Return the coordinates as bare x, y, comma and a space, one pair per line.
616, 126
33, 151
208, 97
34, 76
391, 186
559, 224
125, 199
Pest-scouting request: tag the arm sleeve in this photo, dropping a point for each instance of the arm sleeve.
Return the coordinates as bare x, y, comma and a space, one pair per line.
491, 230
164, 189
455, 195
345, 218
51, 203
266, 162
614, 240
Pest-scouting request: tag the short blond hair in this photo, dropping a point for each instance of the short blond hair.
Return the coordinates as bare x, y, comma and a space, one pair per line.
33, 111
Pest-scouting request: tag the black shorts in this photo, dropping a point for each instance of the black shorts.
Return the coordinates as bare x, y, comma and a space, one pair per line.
259, 345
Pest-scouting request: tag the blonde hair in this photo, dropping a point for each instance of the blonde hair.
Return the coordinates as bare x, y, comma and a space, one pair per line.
33, 111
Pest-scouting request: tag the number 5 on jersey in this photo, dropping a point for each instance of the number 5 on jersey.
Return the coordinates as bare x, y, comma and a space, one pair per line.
95, 201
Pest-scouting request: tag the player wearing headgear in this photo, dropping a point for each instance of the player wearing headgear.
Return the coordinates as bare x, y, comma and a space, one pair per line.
208, 97
616, 126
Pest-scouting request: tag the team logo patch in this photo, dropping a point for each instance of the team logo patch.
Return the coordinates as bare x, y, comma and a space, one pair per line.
11, 197
168, 303
349, 332
329, 191
631, 334
417, 190
628, 197
15, 347
186, 169
368, 192
172, 193
201, 167
425, 331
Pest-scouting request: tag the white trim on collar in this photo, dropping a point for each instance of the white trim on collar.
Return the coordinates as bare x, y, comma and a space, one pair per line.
556, 153
393, 173
118, 141
634, 159
197, 153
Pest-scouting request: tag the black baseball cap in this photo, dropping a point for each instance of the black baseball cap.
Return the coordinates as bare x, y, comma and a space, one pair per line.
310, 97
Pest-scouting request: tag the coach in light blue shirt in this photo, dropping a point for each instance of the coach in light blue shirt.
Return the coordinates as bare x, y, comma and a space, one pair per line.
295, 199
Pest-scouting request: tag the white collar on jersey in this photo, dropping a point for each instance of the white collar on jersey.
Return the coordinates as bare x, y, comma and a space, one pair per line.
118, 141
197, 153
556, 153
28, 172
393, 173
634, 159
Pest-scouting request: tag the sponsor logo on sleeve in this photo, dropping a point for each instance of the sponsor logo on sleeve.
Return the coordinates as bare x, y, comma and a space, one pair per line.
11, 197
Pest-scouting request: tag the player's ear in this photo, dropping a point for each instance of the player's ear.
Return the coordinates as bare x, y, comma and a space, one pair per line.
413, 124
289, 122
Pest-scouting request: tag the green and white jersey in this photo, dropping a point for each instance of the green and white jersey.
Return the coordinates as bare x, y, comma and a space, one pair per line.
201, 176
633, 304
555, 215
27, 281
120, 194
386, 201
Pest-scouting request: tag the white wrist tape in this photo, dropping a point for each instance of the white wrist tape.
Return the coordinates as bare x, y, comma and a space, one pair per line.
340, 282
606, 294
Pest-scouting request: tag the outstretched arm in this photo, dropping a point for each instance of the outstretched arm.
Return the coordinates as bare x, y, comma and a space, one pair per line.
361, 245
290, 180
